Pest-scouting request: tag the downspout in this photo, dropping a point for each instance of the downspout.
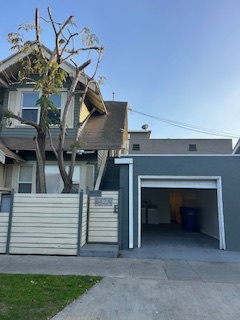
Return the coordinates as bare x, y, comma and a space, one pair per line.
129, 162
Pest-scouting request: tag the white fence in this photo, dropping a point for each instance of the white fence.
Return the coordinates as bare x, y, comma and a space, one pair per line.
103, 219
43, 224
57, 224
4, 216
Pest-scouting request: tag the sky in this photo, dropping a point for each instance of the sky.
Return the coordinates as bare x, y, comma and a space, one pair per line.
175, 60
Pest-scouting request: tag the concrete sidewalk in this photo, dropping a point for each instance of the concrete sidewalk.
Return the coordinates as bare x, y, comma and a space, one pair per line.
142, 288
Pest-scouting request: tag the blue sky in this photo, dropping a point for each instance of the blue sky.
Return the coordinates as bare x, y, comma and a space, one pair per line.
178, 60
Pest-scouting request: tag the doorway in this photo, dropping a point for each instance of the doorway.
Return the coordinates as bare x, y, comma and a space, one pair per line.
161, 219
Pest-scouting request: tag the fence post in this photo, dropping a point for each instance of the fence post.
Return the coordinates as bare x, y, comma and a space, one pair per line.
10, 223
80, 212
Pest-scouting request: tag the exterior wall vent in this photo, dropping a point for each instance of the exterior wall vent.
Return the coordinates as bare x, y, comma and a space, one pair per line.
192, 147
136, 147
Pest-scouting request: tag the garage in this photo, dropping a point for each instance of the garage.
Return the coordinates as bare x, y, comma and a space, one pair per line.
179, 205
165, 201
154, 188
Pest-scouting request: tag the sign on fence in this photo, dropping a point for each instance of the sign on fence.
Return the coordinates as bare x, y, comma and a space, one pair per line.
103, 202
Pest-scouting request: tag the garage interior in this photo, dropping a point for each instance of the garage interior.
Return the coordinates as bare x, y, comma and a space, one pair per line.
162, 224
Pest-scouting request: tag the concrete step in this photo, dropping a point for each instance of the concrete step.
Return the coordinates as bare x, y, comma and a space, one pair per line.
99, 250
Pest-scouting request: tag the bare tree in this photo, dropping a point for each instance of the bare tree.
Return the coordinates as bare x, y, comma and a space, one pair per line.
51, 79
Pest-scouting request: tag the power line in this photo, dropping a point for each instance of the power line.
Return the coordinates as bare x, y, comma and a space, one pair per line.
189, 126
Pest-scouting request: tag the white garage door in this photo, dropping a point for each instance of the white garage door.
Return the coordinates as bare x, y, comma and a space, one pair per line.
171, 183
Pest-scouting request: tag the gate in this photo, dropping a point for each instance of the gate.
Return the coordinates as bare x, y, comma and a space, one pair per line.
103, 217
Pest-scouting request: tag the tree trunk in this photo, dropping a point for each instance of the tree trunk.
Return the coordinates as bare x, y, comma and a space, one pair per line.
40, 154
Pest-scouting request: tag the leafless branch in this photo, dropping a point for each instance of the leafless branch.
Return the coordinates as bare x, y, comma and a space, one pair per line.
37, 28
51, 143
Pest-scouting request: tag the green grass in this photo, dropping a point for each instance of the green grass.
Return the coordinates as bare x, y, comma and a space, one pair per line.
35, 297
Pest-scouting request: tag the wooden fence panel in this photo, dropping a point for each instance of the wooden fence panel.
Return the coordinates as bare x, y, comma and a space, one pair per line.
84, 220
44, 224
4, 217
103, 218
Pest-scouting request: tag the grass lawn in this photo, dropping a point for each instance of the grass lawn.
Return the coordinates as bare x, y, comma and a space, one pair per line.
35, 297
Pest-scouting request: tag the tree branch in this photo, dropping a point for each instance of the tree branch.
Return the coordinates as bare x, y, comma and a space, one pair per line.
37, 28
51, 144
28, 122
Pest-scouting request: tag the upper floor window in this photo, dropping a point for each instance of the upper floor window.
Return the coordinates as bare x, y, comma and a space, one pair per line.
55, 116
23, 102
31, 110
192, 147
136, 147
29, 106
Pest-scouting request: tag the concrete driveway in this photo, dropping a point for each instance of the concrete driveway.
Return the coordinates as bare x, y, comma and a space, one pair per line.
143, 288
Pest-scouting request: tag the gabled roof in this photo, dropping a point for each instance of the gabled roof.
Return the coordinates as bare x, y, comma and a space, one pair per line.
101, 132
11, 65
6, 153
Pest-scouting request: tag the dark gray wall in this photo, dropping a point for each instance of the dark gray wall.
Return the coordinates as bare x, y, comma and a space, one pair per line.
228, 167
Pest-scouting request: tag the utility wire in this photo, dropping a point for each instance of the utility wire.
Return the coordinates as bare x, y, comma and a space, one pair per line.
189, 126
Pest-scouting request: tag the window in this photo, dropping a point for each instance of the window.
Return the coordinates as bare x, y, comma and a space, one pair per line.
192, 147
136, 147
29, 106
22, 102
25, 179
30, 109
55, 116
54, 181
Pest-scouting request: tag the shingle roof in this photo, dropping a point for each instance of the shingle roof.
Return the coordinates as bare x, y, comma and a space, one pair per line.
101, 132
104, 131
8, 153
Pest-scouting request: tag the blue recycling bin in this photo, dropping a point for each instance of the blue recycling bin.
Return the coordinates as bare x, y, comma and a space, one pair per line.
189, 219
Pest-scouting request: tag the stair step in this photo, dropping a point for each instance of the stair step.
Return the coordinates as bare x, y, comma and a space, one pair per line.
99, 250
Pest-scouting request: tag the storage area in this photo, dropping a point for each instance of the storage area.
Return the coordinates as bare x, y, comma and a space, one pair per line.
180, 212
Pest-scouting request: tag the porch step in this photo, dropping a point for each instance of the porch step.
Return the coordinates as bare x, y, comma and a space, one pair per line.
99, 250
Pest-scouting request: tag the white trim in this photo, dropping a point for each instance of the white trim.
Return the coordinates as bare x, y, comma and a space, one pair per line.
217, 180
129, 162
123, 161
222, 238
63, 94
130, 205
2, 157
181, 155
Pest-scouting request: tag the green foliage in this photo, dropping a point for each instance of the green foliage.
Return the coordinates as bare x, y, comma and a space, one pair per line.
88, 38
77, 145
52, 77
6, 119
36, 297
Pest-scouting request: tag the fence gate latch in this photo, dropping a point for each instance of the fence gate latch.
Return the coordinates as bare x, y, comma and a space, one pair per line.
115, 208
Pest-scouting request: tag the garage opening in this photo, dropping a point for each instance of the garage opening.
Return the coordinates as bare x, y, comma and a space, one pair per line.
178, 215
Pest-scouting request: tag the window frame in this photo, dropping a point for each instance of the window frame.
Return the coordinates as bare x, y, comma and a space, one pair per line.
15, 105
25, 182
32, 107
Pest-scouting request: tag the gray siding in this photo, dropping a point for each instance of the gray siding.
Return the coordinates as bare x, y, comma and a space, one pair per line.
30, 132
179, 146
228, 167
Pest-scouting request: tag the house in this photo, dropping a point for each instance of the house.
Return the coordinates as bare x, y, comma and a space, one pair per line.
162, 179
140, 142
103, 134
